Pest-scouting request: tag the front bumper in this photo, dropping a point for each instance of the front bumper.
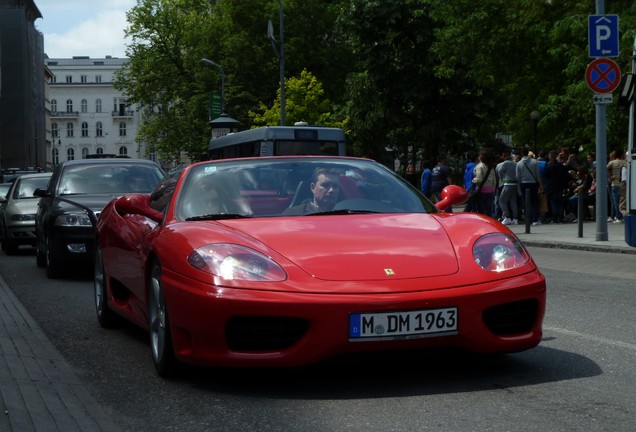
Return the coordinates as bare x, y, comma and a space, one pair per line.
232, 327
21, 233
72, 246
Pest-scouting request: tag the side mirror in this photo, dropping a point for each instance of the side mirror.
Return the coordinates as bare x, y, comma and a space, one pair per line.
451, 195
41, 193
139, 204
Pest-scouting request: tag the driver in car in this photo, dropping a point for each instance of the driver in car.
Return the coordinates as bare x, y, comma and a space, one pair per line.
325, 188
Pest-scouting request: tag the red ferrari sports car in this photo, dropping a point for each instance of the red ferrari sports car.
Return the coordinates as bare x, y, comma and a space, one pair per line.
285, 261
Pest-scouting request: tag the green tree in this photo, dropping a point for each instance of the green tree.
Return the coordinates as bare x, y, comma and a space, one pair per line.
166, 78
163, 75
305, 102
396, 99
419, 77
530, 55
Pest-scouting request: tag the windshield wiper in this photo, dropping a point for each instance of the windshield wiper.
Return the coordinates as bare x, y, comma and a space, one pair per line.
341, 212
217, 216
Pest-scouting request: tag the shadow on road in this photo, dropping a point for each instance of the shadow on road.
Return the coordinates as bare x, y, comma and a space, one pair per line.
398, 375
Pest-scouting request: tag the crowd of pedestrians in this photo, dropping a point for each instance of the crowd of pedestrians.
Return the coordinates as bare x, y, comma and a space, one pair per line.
549, 184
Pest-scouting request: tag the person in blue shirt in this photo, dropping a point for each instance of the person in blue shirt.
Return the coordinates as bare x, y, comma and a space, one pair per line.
469, 172
426, 180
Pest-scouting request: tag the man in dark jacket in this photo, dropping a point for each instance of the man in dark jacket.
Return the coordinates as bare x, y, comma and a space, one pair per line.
440, 178
557, 177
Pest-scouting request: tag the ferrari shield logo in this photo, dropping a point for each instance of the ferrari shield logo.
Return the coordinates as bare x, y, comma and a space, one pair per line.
389, 272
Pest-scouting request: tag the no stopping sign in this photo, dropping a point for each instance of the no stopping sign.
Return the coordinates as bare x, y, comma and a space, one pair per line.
603, 75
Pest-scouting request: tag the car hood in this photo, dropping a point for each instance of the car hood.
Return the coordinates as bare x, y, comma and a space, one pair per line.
23, 206
359, 247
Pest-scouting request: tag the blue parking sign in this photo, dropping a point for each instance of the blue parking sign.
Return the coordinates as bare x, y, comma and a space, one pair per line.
603, 35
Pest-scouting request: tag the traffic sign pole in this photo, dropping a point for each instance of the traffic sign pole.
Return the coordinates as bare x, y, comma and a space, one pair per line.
630, 216
601, 159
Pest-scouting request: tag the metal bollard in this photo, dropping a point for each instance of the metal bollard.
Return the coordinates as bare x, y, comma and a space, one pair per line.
528, 211
581, 210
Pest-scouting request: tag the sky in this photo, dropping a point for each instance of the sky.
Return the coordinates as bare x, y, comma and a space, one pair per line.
92, 28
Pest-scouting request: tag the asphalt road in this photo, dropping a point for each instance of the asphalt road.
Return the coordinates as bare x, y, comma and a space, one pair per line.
579, 379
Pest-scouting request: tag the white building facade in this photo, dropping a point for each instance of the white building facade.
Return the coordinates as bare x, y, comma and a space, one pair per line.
88, 115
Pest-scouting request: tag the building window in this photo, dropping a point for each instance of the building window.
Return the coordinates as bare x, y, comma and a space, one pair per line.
152, 156
84, 152
123, 151
70, 154
122, 129
98, 105
100, 150
83, 79
98, 129
53, 79
54, 131
84, 105
120, 106
69, 105
84, 129
55, 156
69, 129
69, 78
98, 78
53, 105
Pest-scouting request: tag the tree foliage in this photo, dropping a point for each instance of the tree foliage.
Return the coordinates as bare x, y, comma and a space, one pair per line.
305, 102
417, 77
530, 55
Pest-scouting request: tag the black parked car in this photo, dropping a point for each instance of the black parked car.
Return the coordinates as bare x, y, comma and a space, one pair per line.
69, 207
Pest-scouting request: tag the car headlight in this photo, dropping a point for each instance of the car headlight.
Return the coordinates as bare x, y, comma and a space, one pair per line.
498, 252
73, 220
234, 262
22, 217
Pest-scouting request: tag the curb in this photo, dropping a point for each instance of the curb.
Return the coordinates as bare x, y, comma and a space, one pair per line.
38, 388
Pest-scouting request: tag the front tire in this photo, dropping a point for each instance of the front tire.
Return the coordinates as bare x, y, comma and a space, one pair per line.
163, 356
105, 315
53, 265
40, 256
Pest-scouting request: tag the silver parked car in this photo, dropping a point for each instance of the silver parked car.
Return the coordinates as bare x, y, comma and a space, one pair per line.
4, 188
18, 209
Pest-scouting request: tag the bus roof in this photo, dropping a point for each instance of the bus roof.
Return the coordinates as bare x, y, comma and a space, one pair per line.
304, 133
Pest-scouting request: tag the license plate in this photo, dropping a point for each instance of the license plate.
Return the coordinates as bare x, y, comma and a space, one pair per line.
403, 324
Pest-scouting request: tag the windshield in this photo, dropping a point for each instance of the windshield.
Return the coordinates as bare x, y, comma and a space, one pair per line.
269, 187
109, 178
27, 185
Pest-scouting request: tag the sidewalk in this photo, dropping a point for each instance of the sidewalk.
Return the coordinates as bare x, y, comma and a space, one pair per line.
38, 389
40, 392
566, 236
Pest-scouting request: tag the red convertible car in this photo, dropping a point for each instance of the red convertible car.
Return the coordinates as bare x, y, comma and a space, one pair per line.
286, 261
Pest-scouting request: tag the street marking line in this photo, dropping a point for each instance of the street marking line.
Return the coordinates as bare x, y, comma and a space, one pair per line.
602, 340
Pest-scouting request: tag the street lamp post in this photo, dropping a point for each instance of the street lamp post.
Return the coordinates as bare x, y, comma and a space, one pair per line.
211, 63
223, 124
281, 57
534, 116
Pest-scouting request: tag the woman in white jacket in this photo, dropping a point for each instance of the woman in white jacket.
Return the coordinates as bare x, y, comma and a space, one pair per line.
486, 181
